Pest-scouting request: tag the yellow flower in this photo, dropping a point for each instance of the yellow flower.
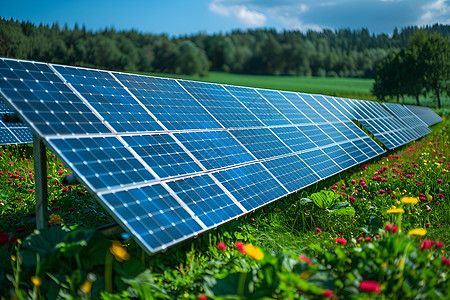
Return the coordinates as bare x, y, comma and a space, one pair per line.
396, 211
55, 219
13, 257
429, 197
409, 200
119, 251
253, 251
36, 280
86, 287
384, 265
418, 232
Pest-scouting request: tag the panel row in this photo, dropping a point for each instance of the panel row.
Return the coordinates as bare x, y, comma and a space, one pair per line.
12, 132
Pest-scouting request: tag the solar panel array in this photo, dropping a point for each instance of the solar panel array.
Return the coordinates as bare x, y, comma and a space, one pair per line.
170, 159
13, 132
426, 114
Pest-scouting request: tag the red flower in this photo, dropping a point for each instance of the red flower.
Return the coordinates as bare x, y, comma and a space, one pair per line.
341, 241
353, 181
426, 244
318, 229
439, 244
445, 261
306, 260
334, 187
440, 181
369, 239
370, 286
202, 297
222, 246
55, 208
327, 293
343, 186
240, 247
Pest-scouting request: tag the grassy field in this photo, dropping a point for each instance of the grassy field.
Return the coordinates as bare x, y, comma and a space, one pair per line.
355, 88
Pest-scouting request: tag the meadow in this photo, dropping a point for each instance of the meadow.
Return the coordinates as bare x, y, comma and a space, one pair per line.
376, 231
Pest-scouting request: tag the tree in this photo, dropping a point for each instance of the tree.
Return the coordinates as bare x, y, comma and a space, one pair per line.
191, 60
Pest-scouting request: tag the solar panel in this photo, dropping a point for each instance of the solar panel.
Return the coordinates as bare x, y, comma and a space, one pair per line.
426, 114
417, 126
170, 159
12, 132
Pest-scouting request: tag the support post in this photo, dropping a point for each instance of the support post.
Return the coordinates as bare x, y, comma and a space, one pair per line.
40, 175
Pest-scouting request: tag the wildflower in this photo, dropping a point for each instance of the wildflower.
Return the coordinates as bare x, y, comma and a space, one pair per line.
369, 239
426, 244
440, 181
341, 241
240, 247
445, 261
202, 297
391, 227
418, 232
318, 229
36, 280
427, 225
327, 293
87, 285
409, 200
381, 191
353, 181
439, 244
396, 211
343, 186
370, 286
253, 251
119, 251
55, 219
222, 246
441, 195
334, 187
306, 260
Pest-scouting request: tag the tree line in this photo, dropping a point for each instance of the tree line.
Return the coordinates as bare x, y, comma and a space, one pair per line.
343, 53
422, 67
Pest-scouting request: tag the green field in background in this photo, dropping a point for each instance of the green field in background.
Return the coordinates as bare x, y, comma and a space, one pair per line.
355, 88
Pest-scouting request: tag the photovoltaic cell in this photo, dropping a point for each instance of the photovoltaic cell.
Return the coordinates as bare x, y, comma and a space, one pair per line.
416, 125
214, 149
168, 102
320, 163
154, 216
261, 142
292, 172
294, 138
12, 132
103, 162
162, 153
284, 106
254, 102
110, 99
426, 114
206, 199
251, 185
48, 104
341, 157
319, 137
221, 104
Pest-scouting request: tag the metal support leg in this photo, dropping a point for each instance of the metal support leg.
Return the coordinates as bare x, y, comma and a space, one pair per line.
40, 175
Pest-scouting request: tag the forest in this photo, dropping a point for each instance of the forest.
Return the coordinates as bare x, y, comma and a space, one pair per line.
339, 53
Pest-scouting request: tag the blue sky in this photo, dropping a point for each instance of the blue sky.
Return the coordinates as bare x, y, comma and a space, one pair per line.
180, 17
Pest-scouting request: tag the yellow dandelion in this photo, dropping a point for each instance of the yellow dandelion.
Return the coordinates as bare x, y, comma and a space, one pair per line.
36, 280
253, 251
409, 200
119, 252
55, 219
418, 232
396, 211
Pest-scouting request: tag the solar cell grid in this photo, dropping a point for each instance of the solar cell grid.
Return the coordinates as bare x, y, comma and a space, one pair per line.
214, 149
294, 138
319, 137
49, 105
110, 99
221, 104
12, 132
297, 100
341, 157
320, 163
426, 114
168, 102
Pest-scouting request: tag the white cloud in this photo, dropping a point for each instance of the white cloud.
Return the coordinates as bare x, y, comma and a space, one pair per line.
239, 12
435, 12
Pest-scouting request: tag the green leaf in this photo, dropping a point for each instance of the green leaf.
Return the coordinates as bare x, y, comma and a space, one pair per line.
325, 199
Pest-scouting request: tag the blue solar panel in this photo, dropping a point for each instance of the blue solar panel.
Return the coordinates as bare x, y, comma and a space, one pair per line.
162, 153
255, 103
206, 199
341, 157
426, 114
416, 125
319, 137
291, 112
333, 133
320, 163
261, 142
251, 185
292, 172
317, 103
294, 138
12, 132
168, 102
103, 162
221, 104
110, 99
152, 215
214, 149
38, 94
